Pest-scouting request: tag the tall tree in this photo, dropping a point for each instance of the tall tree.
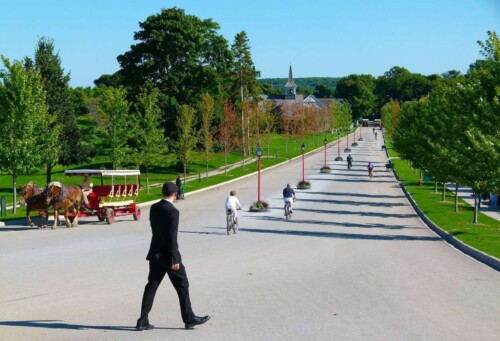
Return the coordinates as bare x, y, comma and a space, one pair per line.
245, 77
227, 130
24, 114
358, 90
151, 147
187, 139
182, 55
115, 123
207, 115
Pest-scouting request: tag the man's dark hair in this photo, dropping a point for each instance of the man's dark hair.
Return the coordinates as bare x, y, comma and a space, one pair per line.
169, 188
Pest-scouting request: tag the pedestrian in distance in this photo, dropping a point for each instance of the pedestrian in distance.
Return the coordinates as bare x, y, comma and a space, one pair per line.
178, 183
349, 161
164, 258
376, 135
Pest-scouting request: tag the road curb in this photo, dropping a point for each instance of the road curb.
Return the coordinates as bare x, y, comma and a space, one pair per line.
480, 256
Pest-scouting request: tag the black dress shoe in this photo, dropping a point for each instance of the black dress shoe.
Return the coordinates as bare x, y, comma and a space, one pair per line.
141, 327
197, 321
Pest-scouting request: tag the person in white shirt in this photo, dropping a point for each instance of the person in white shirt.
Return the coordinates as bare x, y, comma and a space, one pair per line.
233, 204
86, 185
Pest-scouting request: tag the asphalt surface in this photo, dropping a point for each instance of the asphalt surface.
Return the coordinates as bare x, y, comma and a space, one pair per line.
354, 263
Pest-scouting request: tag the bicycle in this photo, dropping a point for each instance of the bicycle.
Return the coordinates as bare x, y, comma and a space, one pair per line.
231, 223
288, 210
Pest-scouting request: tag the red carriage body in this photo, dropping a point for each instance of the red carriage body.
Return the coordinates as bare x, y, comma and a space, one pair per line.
107, 201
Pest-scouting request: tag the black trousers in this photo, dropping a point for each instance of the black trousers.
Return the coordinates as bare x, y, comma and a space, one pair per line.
179, 281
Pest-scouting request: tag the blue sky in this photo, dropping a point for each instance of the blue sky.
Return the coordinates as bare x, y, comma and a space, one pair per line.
329, 38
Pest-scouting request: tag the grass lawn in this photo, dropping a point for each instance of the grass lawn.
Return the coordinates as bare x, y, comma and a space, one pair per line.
277, 151
484, 236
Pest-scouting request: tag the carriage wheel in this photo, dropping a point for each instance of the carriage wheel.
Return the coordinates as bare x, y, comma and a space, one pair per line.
110, 216
137, 214
101, 218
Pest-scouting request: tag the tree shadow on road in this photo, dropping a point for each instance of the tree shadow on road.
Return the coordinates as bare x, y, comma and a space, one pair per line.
355, 203
361, 195
374, 180
341, 224
56, 324
342, 235
361, 213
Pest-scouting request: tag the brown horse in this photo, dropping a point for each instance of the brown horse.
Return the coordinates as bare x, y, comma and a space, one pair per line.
67, 197
34, 199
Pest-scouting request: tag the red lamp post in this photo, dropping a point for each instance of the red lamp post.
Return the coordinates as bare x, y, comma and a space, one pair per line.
338, 158
259, 154
347, 150
303, 147
325, 141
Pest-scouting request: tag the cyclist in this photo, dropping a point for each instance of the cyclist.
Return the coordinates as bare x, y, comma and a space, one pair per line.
289, 196
349, 161
370, 169
233, 204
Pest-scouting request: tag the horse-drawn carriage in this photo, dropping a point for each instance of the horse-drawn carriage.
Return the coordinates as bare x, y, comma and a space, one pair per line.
114, 196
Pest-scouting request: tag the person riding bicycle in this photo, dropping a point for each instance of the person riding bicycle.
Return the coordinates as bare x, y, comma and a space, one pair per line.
289, 196
370, 168
233, 204
349, 161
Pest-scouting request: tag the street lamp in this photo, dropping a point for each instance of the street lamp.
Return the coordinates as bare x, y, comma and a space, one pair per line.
303, 148
360, 132
325, 141
354, 144
259, 154
347, 150
338, 158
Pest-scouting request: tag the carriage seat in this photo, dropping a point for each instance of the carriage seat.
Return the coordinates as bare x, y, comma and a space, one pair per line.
101, 191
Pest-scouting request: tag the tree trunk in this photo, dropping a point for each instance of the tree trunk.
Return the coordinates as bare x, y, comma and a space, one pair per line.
476, 209
435, 187
456, 197
49, 173
14, 186
444, 191
147, 181
225, 157
206, 159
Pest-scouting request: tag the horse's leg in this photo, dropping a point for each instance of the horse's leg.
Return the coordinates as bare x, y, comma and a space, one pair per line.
56, 217
76, 211
30, 223
68, 222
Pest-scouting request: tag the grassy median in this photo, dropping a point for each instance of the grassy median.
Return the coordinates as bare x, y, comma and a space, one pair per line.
484, 236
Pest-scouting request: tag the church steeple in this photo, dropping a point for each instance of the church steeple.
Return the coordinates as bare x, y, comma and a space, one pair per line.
290, 86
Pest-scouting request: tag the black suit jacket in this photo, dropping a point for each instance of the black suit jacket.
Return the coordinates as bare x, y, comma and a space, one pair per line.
164, 218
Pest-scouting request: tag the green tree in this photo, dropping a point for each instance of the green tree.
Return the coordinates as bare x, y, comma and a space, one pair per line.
358, 90
72, 145
245, 78
24, 114
182, 55
207, 115
227, 130
151, 147
187, 140
323, 91
399, 83
115, 123
390, 116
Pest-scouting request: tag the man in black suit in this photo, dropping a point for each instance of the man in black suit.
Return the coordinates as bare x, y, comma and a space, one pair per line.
164, 258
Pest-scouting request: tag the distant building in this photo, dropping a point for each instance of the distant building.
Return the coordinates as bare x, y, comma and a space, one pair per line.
290, 97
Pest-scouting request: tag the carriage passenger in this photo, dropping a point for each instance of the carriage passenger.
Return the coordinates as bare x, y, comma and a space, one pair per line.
86, 186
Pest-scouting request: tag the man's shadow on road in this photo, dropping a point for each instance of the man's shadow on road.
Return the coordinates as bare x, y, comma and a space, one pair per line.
56, 324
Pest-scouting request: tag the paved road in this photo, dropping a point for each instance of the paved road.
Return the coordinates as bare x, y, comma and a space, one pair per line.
355, 263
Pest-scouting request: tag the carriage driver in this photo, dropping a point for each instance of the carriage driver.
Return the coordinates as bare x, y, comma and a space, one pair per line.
86, 186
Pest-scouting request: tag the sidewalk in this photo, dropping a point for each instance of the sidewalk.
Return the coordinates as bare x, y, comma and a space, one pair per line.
466, 194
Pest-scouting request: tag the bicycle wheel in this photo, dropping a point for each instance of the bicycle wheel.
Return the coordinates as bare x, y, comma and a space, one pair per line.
235, 227
229, 221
